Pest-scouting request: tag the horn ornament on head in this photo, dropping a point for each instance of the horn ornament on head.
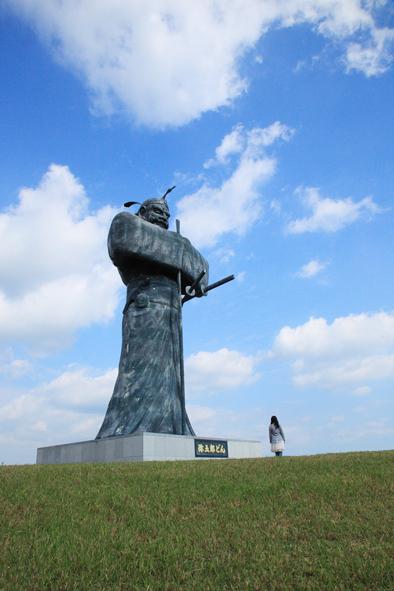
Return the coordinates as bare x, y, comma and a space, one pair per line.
148, 202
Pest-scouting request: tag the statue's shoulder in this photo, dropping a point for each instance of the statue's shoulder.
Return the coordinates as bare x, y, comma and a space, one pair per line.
124, 218
125, 226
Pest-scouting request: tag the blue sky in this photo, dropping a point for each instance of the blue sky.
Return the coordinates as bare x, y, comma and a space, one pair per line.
275, 122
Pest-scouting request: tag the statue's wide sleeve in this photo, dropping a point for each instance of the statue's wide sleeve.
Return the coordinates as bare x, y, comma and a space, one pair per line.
134, 239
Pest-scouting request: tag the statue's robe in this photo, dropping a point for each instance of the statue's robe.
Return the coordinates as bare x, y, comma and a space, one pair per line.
147, 394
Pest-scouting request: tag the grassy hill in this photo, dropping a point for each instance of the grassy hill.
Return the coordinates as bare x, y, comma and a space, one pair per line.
319, 522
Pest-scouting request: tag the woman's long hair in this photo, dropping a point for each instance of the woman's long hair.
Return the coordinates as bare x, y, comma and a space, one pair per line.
274, 421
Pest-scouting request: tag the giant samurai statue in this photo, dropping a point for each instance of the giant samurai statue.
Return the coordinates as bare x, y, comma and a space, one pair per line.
156, 265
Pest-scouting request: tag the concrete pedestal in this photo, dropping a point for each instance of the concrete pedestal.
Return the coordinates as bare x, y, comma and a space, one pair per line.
141, 447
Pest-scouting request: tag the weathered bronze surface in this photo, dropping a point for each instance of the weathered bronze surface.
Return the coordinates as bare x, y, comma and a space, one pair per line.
148, 390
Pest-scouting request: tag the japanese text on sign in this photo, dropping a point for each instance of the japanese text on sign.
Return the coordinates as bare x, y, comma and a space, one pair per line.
207, 448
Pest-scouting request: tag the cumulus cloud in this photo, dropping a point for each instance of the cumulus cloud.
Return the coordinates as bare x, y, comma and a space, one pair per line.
350, 351
330, 215
317, 337
311, 269
212, 211
209, 372
55, 274
165, 62
67, 408
77, 389
348, 372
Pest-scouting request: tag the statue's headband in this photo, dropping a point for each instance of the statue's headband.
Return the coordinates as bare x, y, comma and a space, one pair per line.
148, 202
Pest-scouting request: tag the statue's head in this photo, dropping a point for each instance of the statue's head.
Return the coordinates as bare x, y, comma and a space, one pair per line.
155, 211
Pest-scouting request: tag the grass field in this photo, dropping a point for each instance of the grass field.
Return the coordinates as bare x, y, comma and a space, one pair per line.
319, 522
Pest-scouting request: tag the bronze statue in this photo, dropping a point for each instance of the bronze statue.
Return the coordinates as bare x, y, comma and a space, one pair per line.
156, 265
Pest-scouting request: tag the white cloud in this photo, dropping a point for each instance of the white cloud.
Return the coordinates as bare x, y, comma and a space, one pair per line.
211, 212
374, 57
55, 273
330, 215
311, 269
232, 143
350, 351
191, 52
351, 371
200, 414
265, 136
224, 254
250, 143
207, 373
77, 389
317, 337
68, 408
73, 391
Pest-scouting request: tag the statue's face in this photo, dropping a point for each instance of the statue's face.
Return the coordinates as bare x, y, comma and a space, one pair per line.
156, 213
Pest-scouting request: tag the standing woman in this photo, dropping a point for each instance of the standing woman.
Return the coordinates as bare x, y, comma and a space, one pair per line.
277, 437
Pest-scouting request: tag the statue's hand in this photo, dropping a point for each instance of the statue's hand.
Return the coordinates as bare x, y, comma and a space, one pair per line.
200, 291
195, 292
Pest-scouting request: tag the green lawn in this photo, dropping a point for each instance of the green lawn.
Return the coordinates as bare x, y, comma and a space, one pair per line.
320, 522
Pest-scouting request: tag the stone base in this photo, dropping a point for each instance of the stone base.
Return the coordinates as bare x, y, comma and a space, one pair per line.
141, 447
